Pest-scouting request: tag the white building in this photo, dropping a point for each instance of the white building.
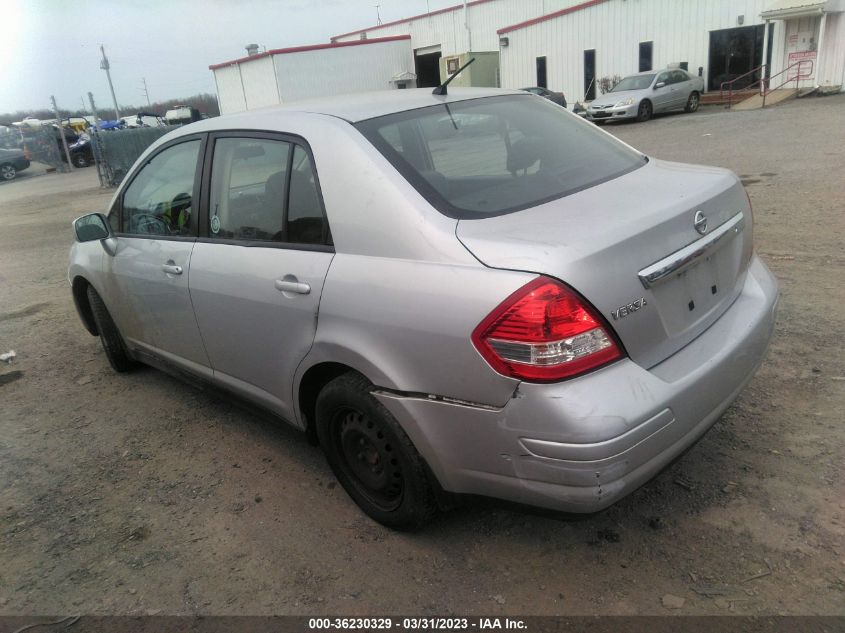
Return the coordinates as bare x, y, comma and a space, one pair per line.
291, 74
438, 36
567, 45
722, 40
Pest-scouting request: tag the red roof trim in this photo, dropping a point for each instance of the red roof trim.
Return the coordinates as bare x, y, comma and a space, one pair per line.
550, 16
312, 47
414, 17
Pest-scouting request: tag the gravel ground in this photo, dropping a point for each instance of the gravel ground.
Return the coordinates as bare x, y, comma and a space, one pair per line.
138, 494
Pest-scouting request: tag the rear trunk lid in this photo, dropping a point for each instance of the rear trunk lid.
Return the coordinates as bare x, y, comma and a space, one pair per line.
631, 247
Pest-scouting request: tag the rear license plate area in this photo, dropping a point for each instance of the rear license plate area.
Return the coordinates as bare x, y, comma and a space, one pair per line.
698, 291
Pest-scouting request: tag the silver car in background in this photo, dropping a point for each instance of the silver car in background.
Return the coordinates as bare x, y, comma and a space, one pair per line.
642, 95
473, 293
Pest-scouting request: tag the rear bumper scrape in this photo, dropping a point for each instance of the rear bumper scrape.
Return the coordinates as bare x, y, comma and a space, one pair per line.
582, 444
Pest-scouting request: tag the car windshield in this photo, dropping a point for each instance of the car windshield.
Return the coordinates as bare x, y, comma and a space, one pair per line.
497, 155
634, 82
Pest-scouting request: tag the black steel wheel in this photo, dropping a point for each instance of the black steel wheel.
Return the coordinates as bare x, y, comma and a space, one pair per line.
80, 160
693, 102
112, 341
645, 110
371, 456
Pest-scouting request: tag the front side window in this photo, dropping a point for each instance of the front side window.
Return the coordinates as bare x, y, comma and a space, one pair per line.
159, 200
264, 190
496, 155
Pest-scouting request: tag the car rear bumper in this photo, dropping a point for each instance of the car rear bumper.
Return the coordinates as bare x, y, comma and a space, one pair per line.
583, 444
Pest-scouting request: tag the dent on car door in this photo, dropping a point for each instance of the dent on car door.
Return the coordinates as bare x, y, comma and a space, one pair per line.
146, 280
258, 269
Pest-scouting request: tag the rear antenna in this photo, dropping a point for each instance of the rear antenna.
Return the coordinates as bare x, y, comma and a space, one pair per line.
441, 89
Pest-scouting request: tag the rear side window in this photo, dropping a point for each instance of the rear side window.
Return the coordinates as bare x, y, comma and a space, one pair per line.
679, 76
497, 155
264, 190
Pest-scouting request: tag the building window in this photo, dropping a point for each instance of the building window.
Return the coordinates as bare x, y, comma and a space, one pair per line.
541, 72
645, 56
589, 75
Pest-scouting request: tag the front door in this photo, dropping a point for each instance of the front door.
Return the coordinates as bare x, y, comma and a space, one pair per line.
147, 277
258, 269
663, 97
800, 55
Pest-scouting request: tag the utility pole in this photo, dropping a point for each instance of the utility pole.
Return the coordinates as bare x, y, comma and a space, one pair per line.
98, 156
378, 13
61, 132
104, 64
146, 92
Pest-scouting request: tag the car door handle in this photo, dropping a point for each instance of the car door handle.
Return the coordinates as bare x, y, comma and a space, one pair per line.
172, 269
298, 287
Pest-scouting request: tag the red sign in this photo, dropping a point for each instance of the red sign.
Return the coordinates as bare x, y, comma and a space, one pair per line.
804, 70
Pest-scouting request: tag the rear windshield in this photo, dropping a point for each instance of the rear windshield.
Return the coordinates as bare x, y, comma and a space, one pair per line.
497, 155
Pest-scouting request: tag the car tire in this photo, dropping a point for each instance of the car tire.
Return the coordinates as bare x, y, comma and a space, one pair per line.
692, 102
371, 456
80, 160
112, 341
8, 172
645, 111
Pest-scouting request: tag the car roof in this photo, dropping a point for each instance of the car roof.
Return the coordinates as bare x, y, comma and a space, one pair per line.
361, 106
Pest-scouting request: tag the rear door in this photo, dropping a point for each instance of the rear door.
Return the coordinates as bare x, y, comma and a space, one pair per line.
682, 86
258, 269
146, 280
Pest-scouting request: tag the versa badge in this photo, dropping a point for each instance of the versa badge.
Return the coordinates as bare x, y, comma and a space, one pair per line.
625, 310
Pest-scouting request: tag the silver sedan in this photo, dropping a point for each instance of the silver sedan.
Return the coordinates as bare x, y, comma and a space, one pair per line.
473, 293
642, 95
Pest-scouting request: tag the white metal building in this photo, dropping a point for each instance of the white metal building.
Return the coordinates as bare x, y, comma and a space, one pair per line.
458, 30
720, 39
567, 45
291, 74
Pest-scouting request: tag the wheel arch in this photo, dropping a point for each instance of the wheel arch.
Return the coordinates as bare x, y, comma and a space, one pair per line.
312, 382
79, 289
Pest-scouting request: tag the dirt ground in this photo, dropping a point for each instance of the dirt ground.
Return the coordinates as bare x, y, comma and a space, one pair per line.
137, 494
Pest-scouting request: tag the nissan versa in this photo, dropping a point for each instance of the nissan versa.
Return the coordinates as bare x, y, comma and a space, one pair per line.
521, 306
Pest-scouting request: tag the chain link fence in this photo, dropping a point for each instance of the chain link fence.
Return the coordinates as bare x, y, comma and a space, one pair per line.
39, 143
115, 151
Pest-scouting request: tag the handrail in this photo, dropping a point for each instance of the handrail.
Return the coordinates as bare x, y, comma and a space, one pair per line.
766, 89
765, 82
730, 83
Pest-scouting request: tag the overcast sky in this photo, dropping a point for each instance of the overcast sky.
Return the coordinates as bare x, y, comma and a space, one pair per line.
52, 46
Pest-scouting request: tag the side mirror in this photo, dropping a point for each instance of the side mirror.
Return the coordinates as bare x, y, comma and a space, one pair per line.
95, 227
659, 84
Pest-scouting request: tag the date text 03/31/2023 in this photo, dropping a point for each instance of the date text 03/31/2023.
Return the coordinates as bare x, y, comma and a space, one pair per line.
416, 624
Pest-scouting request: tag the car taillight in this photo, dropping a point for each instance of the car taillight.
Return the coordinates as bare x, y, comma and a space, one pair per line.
544, 332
